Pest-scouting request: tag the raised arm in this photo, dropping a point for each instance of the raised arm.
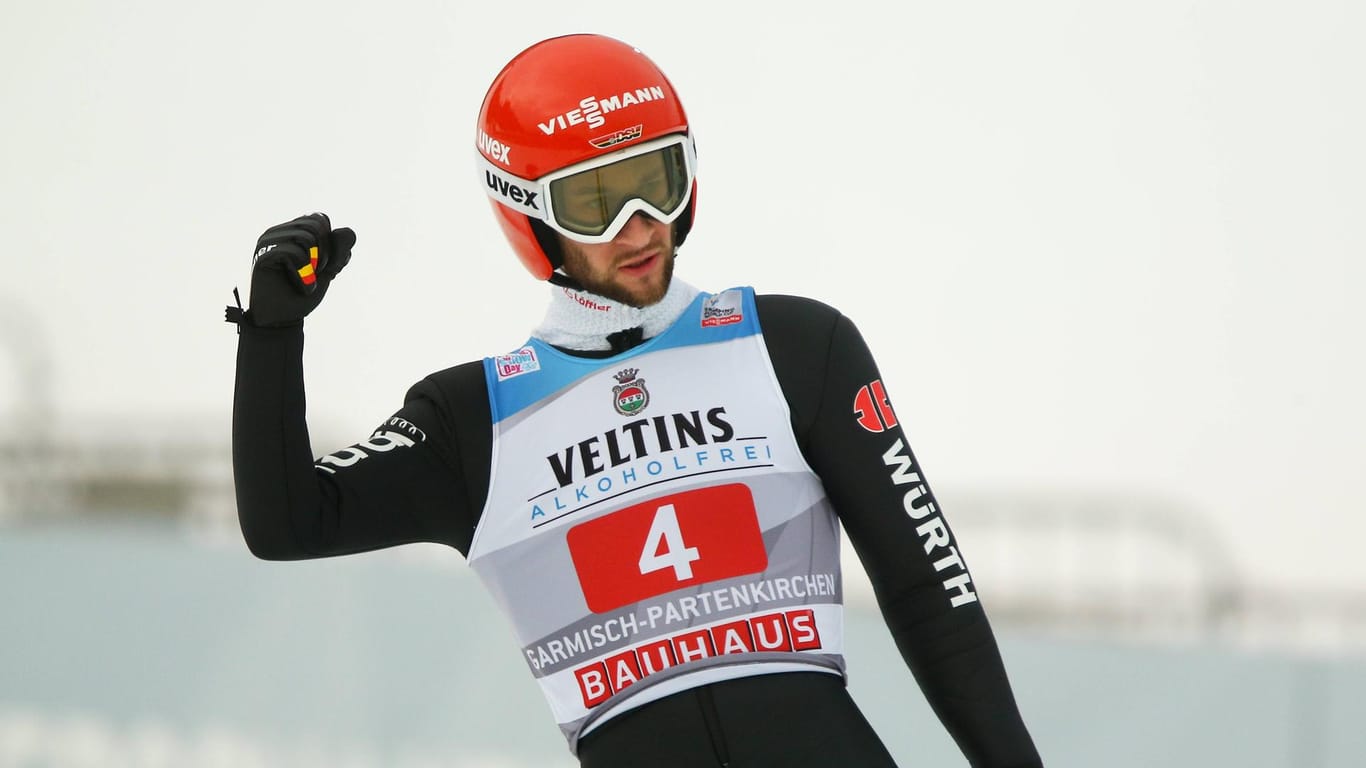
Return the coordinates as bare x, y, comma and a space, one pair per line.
405, 483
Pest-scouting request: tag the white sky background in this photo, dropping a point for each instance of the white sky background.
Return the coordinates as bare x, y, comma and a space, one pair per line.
1094, 246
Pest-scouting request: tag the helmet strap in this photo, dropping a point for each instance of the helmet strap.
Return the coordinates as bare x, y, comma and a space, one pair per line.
682, 226
564, 281
549, 242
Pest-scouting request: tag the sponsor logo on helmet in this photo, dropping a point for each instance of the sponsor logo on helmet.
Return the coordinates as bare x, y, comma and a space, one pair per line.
511, 191
618, 137
629, 396
722, 309
591, 109
494, 149
517, 363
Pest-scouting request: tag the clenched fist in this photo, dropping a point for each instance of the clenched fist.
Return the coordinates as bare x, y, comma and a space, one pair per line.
293, 265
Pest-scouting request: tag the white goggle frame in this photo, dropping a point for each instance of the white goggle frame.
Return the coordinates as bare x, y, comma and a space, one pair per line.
532, 198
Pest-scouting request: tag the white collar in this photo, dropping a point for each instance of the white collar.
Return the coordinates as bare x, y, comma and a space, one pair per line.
582, 320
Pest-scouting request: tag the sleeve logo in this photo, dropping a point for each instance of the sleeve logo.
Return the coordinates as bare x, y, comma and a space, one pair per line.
872, 409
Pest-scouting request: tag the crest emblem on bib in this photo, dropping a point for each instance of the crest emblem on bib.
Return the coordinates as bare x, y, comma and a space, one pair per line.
629, 396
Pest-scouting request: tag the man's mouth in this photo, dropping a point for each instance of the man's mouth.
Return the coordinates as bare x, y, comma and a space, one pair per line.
640, 264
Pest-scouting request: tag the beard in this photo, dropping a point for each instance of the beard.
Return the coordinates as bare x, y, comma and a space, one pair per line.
585, 266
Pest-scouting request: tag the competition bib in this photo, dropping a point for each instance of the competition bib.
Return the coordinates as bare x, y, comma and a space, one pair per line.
651, 525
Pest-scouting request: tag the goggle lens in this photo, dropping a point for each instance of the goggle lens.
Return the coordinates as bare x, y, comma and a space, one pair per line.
589, 202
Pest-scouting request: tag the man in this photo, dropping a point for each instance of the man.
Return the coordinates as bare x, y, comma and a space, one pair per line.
652, 486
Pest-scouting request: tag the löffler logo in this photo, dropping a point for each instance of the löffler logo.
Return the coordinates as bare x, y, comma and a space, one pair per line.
873, 409
586, 302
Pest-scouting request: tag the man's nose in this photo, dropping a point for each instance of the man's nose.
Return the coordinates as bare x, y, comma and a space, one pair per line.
637, 230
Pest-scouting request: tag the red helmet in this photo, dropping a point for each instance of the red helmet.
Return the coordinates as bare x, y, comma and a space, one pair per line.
572, 103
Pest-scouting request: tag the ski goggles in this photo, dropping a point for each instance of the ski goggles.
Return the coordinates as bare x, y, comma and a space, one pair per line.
590, 202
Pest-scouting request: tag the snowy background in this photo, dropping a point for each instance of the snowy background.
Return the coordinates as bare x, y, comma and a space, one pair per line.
1093, 245
1099, 249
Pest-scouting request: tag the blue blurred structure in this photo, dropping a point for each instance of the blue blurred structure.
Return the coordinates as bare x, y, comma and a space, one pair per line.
146, 644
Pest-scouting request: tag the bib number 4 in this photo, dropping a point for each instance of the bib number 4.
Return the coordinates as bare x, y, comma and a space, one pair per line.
667, 543
664, 546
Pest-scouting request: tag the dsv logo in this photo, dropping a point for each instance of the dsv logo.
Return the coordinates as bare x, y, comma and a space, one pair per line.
872, 408
511, 190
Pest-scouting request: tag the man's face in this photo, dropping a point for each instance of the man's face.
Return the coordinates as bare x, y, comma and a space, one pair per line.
634, 268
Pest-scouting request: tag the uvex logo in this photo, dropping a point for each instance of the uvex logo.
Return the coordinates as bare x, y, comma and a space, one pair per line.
496, 150
511, 190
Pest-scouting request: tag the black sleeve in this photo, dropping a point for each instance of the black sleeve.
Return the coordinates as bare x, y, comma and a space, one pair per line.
851, 438
422, 475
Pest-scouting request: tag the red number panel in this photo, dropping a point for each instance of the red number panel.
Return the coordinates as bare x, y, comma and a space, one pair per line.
667, 543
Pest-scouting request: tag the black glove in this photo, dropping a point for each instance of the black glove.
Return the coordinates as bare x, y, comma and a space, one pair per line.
293, 265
